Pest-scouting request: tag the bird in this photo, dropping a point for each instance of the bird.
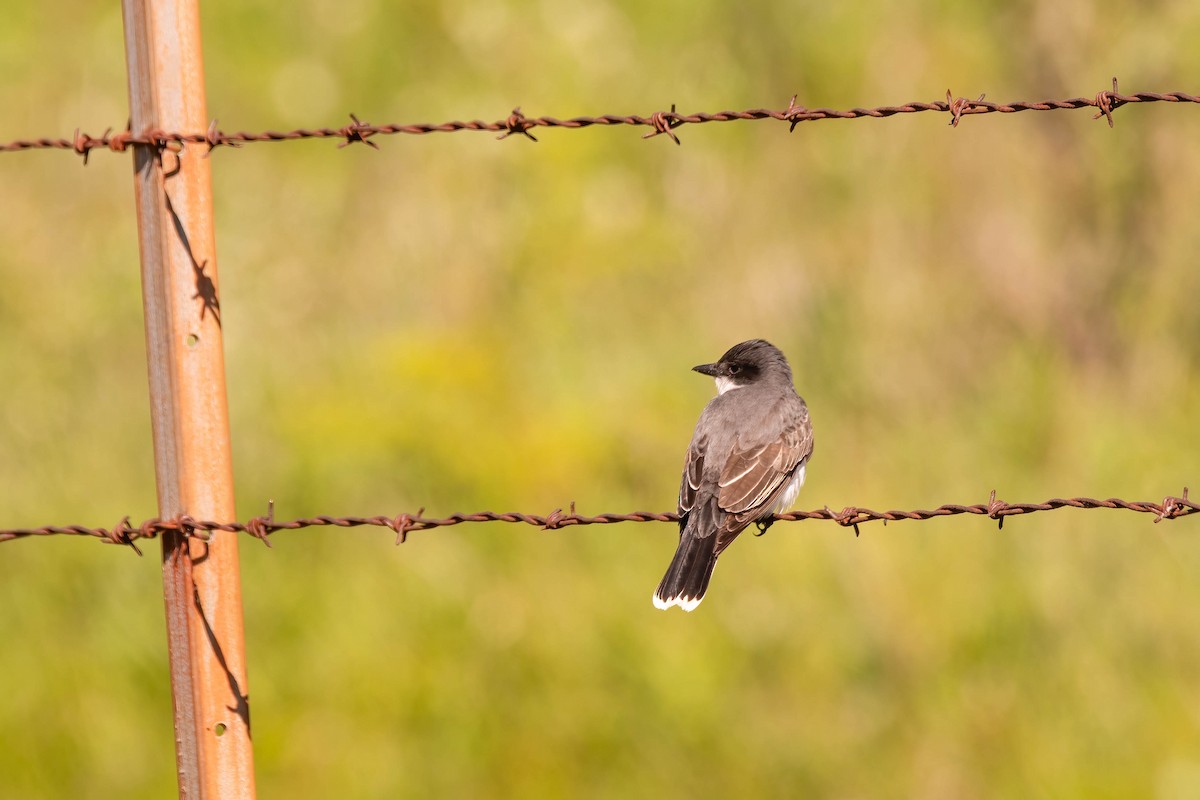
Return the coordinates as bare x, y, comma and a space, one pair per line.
746, 462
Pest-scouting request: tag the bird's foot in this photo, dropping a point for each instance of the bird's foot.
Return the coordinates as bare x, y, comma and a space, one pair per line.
764, 525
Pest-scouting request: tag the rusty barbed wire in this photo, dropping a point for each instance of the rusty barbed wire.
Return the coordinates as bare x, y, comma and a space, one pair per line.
516, 123
402, 524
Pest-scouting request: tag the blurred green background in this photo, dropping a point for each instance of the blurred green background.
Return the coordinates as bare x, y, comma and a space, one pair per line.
465, 324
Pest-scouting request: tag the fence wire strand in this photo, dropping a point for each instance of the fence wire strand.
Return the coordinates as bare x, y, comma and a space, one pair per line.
661, 122
402, 524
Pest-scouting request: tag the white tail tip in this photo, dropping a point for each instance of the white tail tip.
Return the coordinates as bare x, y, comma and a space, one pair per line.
683, 601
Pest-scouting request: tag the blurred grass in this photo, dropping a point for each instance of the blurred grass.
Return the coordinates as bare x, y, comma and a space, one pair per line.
458, 323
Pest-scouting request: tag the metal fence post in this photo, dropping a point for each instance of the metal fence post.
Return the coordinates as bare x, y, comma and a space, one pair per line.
189, 416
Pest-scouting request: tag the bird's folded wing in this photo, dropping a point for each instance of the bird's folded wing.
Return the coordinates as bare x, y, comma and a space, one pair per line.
752, 477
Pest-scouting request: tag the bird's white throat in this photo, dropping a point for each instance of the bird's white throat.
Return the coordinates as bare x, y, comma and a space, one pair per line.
724, 384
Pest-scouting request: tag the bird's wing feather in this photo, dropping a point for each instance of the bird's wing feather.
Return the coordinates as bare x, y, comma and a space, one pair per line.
692, 472
752, 477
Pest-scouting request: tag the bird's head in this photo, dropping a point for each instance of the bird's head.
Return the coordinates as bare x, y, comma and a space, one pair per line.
745, 364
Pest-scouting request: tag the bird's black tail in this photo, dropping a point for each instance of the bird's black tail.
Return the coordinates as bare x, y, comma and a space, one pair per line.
687, 578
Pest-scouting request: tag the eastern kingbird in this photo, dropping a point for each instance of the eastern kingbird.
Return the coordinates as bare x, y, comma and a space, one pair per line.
746, 461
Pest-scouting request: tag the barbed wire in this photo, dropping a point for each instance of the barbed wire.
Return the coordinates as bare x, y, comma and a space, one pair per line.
263, 526
662, 122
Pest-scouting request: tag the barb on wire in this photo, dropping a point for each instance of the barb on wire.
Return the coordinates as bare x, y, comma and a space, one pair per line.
667, 122
517, 123
402, 524
357, 132
661, 122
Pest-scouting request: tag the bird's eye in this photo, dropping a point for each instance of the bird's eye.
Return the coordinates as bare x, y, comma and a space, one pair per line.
734, 369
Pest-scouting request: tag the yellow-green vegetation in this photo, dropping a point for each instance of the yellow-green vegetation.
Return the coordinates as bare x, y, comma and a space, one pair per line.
464, 324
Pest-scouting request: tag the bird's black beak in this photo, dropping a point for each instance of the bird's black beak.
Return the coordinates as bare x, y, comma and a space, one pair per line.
706, 369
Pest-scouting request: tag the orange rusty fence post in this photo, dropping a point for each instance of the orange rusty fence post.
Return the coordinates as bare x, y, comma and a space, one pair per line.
189, 416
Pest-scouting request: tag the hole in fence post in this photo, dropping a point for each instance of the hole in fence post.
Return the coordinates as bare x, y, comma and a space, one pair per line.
193, 340
219, 729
